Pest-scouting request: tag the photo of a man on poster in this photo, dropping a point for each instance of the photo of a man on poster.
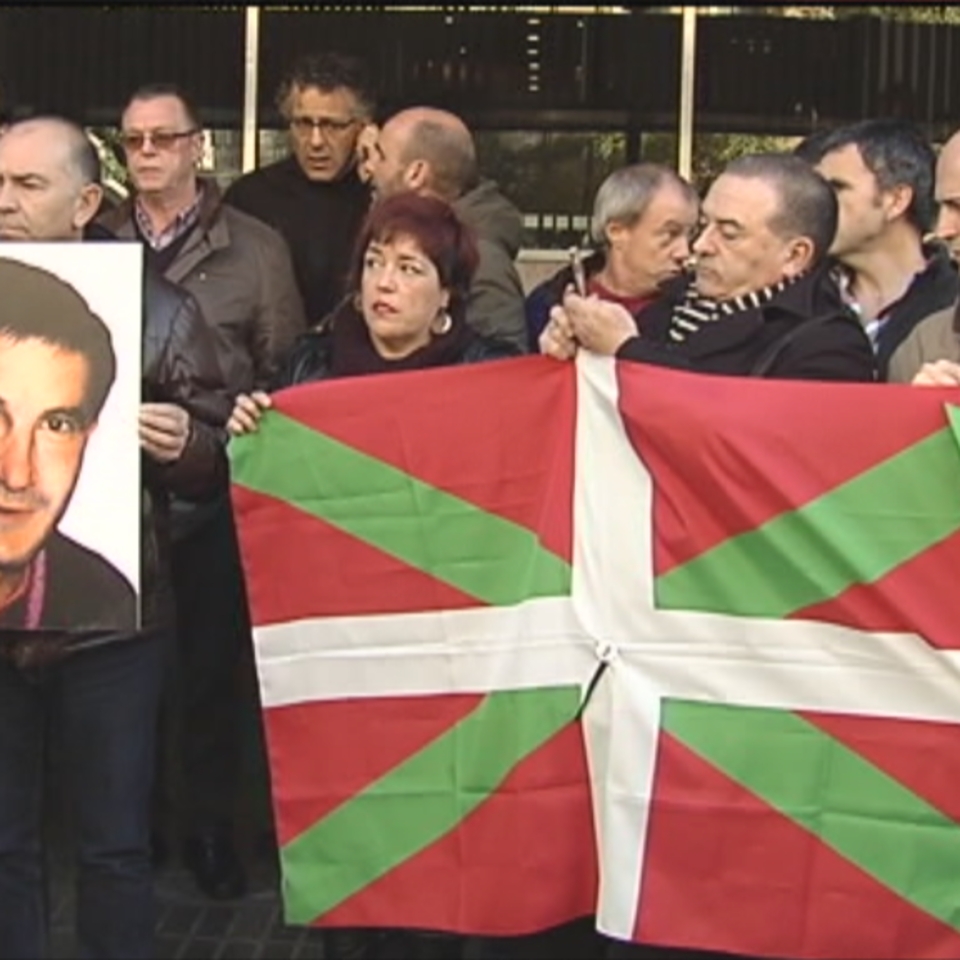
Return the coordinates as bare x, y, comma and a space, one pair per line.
57, 367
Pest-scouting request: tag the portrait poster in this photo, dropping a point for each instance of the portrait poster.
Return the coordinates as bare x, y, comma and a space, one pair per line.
70, 389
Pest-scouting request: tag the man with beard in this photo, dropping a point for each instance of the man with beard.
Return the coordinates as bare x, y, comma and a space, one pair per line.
900, 285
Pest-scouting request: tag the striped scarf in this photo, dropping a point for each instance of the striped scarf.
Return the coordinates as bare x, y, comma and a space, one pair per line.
696, 311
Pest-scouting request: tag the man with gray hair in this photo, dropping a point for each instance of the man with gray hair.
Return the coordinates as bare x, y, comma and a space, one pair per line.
431, 151
761, 301
313, 198
644, 217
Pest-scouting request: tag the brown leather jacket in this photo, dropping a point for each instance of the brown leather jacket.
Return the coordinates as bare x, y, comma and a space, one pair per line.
240, 272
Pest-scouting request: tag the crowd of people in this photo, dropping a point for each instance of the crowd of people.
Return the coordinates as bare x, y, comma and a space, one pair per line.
377, 247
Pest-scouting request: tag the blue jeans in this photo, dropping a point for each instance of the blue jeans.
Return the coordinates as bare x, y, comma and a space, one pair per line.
102, 705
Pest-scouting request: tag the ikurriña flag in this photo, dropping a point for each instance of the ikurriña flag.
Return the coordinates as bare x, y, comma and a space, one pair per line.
438, 565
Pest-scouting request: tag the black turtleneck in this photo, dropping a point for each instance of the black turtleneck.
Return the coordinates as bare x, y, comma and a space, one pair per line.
319, 221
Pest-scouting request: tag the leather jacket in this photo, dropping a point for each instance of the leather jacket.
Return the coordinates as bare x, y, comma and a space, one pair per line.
240, 271
179, 366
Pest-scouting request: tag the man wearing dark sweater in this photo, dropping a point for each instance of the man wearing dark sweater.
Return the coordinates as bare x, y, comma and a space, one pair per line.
314, 198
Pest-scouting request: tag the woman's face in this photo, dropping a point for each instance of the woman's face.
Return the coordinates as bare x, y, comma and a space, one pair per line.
401, 295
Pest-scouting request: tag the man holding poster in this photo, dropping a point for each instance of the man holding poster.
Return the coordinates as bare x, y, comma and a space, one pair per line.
98, 428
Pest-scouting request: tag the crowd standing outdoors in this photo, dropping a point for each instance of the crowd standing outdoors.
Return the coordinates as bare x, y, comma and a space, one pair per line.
375, 248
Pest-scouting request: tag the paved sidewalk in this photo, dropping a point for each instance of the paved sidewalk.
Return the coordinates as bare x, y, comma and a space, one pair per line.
191, 927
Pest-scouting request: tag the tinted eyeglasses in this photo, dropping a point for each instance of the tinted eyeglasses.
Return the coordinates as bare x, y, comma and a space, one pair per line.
328, 126
161, 139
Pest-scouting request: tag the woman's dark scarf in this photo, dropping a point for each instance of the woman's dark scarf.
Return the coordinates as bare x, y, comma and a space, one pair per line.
353, 354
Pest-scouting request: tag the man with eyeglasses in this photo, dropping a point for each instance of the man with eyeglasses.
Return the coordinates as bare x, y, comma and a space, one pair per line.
314, 197
240, 272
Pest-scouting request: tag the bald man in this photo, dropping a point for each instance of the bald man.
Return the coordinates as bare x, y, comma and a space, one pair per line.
935, 350
431, 151
947, 195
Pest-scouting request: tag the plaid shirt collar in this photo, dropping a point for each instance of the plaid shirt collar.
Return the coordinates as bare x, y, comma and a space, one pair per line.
181, 223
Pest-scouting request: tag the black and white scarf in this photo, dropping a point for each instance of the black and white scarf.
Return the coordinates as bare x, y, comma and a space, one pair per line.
696, 311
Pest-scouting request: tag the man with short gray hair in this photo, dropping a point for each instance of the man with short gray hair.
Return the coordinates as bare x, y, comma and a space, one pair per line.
644, 217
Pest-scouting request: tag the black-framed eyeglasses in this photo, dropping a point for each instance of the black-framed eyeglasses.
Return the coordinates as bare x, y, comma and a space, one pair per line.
328, 126
161, 139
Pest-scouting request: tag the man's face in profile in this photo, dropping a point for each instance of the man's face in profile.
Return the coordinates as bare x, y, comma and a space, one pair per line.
43, 435
385, 164
737, 251
862, 207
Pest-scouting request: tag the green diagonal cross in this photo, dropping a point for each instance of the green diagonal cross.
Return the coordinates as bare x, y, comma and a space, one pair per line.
814, 553
493, 559
815, 782
412, 806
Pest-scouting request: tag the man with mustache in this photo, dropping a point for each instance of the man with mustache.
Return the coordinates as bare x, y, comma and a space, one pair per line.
57, 366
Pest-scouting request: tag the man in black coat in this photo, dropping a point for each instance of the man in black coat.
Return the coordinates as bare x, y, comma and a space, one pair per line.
314, 198
101, 688
760, 301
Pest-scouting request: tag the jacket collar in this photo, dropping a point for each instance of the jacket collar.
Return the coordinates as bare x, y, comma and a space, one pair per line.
121, 220
97, 231
933, 289
211, 233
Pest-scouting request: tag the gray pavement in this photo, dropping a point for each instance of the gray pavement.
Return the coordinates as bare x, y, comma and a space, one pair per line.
191, 927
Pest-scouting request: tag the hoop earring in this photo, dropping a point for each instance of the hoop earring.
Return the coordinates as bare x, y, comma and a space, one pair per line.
446, 322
